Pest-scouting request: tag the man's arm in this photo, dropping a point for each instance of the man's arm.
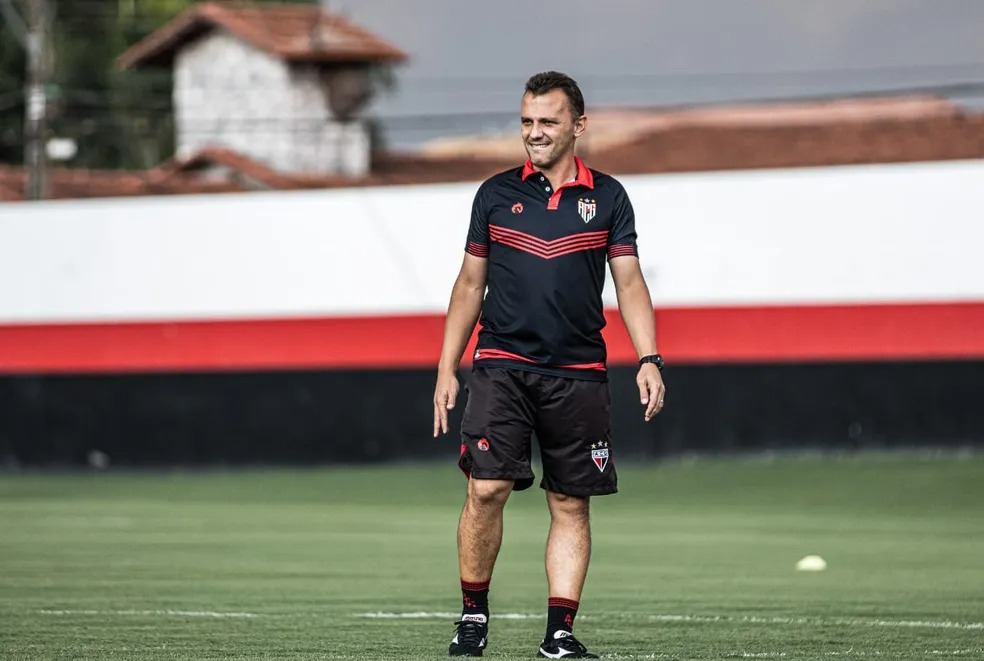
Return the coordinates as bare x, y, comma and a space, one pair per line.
464, 309
636, 308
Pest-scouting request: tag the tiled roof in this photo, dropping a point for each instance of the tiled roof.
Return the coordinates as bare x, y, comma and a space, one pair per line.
217, 170
612, 129
67, 183
634, 142
824, 137
293, 31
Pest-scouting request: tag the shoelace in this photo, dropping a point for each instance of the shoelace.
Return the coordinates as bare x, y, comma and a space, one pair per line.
470, 634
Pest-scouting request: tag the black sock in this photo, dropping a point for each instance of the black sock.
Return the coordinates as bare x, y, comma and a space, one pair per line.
560, 615
475, 598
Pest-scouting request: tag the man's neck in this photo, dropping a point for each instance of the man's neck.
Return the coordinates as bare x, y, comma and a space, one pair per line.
562, 172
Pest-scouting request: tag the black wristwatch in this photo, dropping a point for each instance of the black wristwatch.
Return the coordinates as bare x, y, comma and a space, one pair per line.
655, 359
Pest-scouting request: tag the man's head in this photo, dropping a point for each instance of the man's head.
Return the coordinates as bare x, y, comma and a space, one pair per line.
552, 115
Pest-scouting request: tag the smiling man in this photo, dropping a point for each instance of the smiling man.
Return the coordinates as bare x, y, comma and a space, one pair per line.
534, 270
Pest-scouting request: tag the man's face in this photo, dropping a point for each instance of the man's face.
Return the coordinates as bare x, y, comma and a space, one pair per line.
549, 129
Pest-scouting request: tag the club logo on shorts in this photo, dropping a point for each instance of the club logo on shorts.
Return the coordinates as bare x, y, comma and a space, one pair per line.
587, 209
517, 208
483, 444
599, 455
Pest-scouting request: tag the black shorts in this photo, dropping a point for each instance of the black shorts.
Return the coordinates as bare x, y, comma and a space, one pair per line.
572, 421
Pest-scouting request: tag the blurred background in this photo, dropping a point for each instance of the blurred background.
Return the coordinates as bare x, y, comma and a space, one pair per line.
229, 230
228, 235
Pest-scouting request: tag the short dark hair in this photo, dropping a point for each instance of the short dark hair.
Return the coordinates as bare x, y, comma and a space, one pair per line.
547, 81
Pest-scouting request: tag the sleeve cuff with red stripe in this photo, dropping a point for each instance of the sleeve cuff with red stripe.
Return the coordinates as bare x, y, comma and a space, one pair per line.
622, 250
477, 249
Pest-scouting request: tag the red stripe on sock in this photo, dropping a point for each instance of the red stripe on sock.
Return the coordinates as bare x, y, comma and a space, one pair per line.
475, 587
563, 603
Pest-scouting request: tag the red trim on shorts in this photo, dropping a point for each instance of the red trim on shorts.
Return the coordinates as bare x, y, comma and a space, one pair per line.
491, 354
464, 449
585, 366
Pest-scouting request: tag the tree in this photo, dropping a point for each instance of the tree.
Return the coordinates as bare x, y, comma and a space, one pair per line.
12, 70
119, 119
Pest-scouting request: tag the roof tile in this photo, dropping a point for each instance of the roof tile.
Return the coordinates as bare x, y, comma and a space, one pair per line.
293, 31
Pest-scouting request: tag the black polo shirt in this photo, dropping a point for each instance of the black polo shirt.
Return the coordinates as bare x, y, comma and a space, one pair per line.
547, 252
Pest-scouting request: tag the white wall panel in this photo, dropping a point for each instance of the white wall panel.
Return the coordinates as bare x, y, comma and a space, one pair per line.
911, 232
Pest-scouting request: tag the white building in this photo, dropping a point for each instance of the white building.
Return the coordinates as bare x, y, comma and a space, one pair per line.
281, 84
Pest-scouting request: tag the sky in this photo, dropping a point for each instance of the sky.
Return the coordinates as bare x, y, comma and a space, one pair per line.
469, 59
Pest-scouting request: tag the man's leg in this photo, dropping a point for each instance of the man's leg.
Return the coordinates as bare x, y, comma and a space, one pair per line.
495, 455
479, 539
567, 557
480, 528
573, 426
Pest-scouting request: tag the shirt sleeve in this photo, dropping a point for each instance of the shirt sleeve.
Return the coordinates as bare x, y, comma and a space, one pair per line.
478, 228
622, 238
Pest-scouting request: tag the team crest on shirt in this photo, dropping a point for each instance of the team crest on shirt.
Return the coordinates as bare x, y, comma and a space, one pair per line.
587, 209
599, 455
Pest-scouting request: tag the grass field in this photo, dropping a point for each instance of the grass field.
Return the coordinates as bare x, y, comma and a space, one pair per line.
691, 561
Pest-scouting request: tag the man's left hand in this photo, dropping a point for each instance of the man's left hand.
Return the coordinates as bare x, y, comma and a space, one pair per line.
651, 389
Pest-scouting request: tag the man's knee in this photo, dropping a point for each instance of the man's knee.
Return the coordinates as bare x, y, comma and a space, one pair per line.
562, 505
488, 493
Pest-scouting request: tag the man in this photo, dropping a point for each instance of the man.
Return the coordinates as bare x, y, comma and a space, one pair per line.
538, 241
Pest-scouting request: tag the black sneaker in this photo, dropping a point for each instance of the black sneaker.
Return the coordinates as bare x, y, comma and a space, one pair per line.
471, 637
564, 646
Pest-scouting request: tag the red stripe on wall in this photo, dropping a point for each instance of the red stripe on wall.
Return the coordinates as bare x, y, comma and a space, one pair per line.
686, 335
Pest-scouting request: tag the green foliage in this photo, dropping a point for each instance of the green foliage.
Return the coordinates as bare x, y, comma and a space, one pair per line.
12, 63
120, 119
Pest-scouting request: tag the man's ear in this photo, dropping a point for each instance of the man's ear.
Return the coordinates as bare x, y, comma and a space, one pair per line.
580, 126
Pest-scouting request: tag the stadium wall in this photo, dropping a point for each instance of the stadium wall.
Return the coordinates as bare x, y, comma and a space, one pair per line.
815, 307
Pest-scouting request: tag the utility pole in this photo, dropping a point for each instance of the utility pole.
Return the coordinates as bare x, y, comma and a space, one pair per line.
35, 116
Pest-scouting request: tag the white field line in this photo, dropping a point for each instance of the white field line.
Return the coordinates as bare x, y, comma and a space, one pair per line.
705, 619
973, 653
819, 621
437, 615
167, 613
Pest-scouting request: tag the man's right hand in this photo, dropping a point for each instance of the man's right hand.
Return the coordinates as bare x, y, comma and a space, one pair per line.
445, 395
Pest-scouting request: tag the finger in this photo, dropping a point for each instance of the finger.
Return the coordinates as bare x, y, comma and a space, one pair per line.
439, 399
654, 401
643, 391
452, 398
660, 398
444, 414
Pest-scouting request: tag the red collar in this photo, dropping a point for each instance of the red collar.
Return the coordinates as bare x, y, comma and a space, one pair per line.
584, 176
